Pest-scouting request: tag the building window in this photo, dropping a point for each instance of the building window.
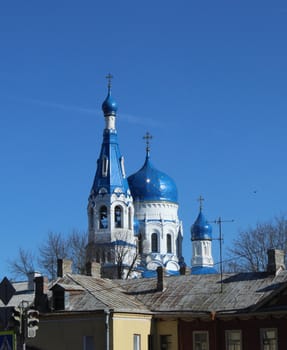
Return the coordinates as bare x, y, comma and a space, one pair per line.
123, 166
103, 217
165, 341
168, 243
105, 165
88, 342
137, 342
200, 341
130, 219
140, 244
233, 340
269, 339
91, 218
154, 243
118, 216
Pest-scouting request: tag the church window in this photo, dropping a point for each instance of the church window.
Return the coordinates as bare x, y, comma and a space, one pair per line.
103, 217
91, 217
130, 219
168, 243
123, 166
154, 243
140, 244
105, 164
118, 216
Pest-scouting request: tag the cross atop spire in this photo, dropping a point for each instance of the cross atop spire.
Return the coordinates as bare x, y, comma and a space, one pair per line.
200, 199
147, 139
109, 78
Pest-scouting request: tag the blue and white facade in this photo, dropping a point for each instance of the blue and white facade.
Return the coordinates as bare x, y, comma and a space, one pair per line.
138, 214
110, 205
201, 237
156, 210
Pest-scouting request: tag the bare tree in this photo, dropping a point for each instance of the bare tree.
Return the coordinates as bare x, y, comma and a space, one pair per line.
77, 242
23, 264
249, 250
56, 246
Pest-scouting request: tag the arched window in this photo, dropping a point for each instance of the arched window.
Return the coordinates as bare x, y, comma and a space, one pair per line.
168, 243
105, 164
130, 219
154, 243
118, 216
91, 218
103, 217
140, 244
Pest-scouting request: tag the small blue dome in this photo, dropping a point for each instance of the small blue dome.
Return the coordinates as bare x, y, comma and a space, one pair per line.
109, 106
150, 184
201, 229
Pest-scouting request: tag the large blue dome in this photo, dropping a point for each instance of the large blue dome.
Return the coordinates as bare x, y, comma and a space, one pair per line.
201, 229
150, 184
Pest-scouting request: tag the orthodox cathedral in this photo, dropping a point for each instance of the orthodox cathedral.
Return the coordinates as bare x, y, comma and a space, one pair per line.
133, 223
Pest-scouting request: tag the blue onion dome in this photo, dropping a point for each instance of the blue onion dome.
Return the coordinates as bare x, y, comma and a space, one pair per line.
109, 106
201, 229
150, 184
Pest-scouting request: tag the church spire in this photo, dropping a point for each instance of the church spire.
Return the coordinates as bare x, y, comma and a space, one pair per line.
201, 237
147, 139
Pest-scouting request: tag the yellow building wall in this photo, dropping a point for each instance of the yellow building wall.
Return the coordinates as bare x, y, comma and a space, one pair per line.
67, 333
125, 326
170, 329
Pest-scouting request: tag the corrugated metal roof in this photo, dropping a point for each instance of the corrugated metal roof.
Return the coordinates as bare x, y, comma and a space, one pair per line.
99, 294
237, 292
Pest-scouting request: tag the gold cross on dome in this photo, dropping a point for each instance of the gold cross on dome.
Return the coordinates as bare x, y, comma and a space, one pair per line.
200, 199
109, 78
147, 139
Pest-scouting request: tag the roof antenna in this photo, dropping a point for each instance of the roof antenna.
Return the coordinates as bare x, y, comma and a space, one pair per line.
219, 221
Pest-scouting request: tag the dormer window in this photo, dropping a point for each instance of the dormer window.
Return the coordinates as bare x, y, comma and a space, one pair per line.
59, 299
105, 165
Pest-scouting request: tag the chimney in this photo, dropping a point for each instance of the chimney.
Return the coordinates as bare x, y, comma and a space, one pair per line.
160, 279
41, 290
182, 270
64, 266
41, 284
275, 260
31, 277
93, 269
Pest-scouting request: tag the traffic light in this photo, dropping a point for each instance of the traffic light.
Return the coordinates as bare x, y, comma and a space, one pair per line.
32, 322
17, 319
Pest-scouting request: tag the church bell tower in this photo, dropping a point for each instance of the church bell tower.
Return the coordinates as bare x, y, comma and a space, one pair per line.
111, 240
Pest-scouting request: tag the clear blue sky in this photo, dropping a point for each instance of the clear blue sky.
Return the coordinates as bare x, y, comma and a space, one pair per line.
208, 79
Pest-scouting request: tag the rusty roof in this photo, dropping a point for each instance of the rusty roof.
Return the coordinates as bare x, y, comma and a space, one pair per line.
235, 293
